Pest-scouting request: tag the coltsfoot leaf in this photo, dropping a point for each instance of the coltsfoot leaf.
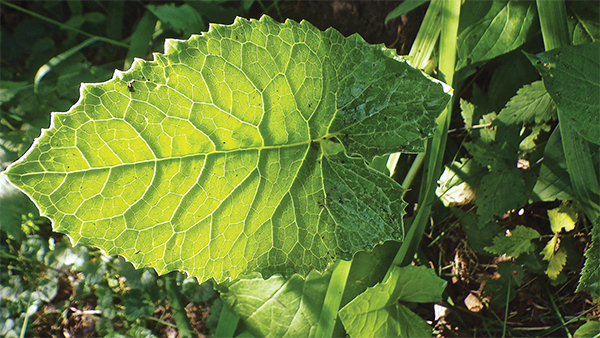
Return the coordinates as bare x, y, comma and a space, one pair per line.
210, 158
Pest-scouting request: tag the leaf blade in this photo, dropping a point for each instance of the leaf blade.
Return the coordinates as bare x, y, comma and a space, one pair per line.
210, 159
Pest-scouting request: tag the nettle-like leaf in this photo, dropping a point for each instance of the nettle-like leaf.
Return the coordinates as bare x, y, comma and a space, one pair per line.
211, 158
518, 242
531, 104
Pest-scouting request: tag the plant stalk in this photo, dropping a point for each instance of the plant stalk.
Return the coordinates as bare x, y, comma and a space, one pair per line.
63, 26
450, 10
183, 323
420, 54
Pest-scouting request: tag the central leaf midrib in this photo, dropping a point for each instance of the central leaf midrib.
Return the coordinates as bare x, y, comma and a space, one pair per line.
308, 142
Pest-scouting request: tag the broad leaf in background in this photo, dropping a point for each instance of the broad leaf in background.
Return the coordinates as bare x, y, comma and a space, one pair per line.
378, 312
571, 77
585, 20
258, 301
278, 307
588, 330
531, 104
183, 19
493, 28
210, 159
518, 242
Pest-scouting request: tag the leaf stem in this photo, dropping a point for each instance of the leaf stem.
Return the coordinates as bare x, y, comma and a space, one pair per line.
63, 26
183, 323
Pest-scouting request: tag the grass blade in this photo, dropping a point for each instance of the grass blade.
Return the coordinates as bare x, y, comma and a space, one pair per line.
63, 26
333, 298
404, 8
228, 322
435, 146
55, 61
140, 39
553, 21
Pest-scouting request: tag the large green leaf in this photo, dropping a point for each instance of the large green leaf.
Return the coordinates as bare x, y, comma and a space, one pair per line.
378, 312
211, 159
493, 28
571, 77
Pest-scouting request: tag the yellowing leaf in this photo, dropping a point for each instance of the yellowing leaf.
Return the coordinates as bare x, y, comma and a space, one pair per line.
556, 257
563, 217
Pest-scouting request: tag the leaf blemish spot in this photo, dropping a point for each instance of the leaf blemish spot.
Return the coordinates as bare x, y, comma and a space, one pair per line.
130, 86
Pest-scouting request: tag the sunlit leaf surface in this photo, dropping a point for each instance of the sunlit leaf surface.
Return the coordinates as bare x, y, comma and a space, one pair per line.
210, 159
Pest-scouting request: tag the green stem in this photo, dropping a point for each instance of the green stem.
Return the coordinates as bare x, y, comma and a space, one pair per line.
506, 308
553, 22
57, 60
420, 53
183, 323
63, 26
413, 171
450, 10
333, 299
562, 321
